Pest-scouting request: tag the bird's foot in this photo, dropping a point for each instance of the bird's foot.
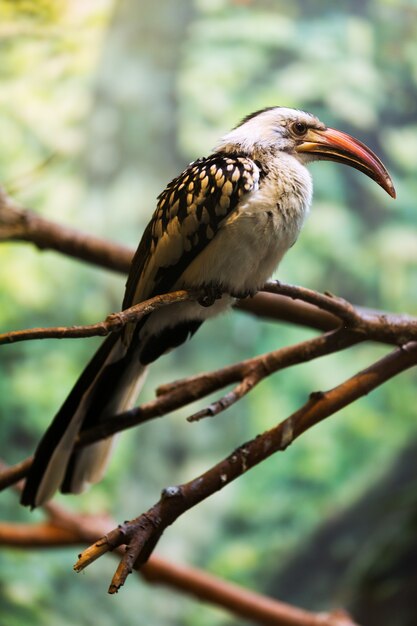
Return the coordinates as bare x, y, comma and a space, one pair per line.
240, 295
211, 294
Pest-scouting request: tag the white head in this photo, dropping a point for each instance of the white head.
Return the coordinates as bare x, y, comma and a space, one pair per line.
274, 128
304, 136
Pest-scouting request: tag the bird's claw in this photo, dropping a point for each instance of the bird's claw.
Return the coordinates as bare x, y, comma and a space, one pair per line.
211, 294
240, 295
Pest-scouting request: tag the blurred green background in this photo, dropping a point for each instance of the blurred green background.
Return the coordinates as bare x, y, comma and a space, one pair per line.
102, 103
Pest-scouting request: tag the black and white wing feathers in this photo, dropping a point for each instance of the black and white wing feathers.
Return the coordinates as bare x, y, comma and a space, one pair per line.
189, 213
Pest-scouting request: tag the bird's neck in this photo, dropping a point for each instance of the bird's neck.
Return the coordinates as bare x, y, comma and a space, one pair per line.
286, 181
289, 173
257, 153
288, 185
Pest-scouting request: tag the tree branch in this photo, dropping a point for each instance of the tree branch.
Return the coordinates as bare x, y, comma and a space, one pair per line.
112, 323
11, 475
19, 224
174, 396
251, 372
358, 326
384, 327
283, 308
380, 326
64, 528
143, 533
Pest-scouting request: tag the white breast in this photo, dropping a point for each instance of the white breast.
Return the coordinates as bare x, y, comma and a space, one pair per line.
249, 244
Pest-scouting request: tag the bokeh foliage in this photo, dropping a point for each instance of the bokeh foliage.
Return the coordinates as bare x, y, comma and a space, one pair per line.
101, 104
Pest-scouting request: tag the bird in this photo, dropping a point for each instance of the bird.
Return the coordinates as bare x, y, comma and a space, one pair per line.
221, 227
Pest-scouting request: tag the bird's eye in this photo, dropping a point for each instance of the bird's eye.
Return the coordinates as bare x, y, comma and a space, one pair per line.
299, 128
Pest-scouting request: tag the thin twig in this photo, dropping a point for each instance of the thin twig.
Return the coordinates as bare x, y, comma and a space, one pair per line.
112, 323
11, 475
258, 368
26, 178
326, 301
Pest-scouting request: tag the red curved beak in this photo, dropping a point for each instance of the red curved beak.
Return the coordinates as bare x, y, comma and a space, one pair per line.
334, 145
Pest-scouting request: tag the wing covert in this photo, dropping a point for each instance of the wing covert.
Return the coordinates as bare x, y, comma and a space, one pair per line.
188, 215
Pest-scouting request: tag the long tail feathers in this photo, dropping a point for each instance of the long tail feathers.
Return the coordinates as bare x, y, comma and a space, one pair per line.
88, 464
109, 384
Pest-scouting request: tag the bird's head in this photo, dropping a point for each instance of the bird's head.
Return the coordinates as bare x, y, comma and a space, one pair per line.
301, 134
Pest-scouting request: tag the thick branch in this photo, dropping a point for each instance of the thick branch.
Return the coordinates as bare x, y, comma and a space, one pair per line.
275, 307
63, 528
240, 601
19, 224
380, 326
142, 534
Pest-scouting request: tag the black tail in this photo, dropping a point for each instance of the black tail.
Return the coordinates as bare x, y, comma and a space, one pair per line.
108, 385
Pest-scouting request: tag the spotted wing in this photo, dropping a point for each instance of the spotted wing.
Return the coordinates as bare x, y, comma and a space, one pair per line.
189, 213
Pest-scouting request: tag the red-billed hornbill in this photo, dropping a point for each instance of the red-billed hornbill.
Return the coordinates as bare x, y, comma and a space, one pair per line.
222, 226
